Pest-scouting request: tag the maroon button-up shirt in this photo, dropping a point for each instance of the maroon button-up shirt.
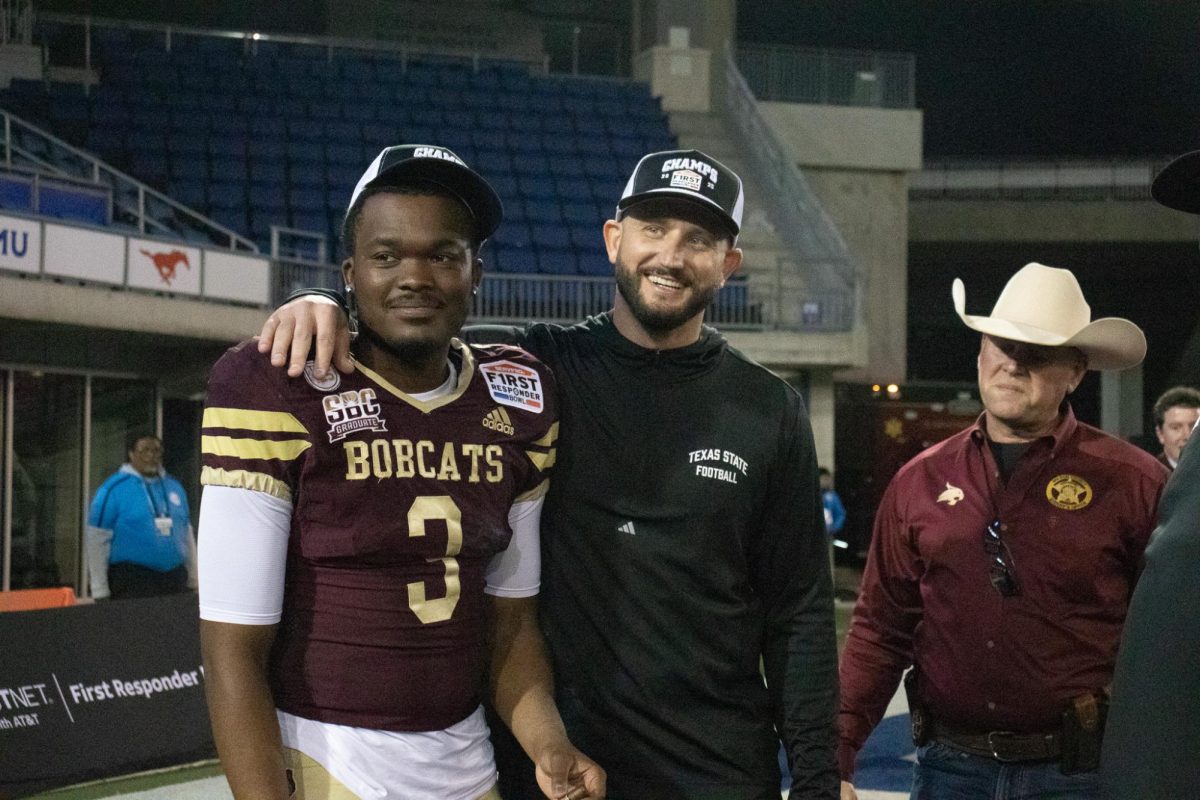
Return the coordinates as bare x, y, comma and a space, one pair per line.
1076, 515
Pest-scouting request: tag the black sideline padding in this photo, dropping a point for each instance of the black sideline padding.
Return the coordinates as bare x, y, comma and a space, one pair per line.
95, 691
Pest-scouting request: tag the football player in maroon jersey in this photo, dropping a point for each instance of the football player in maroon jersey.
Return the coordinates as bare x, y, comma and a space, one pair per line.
369, 543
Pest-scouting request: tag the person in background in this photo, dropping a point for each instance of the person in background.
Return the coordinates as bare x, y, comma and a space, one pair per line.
1175, 414
1152, 748
1001, 565
139, 532
835, 512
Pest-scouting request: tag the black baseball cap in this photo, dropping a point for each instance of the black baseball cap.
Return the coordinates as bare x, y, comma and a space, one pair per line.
688, 175
1178, 185
437, 165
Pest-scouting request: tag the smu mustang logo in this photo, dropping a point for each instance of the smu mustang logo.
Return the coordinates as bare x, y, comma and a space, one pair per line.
167, 263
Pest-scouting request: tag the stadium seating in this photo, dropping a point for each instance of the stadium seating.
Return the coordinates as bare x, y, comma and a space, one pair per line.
277, 133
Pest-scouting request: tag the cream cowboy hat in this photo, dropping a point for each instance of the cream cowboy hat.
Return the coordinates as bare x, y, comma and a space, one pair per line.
1043, 305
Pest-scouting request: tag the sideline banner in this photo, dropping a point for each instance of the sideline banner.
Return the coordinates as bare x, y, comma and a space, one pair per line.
94, 691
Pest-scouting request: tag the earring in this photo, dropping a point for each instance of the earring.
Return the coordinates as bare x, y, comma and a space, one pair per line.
351, 313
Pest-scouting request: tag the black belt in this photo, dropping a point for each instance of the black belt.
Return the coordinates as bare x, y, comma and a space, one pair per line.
1002, 745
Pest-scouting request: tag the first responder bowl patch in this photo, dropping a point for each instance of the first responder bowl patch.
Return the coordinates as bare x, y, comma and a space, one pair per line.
513, 384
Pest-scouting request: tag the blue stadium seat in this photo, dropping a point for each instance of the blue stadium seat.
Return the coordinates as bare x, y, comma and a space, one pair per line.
559, 143
556, 262
358, 112
267, 194
230, 124
586, 237
307, 175
525, 142
543, 211
268, 129
228, 169
566, 166
592, 262
227, 195
305, 153
342, 152
232, 145
149, 166
268, 171
108, 143
188, 167
262, 149
515, 259
524, 122
345, 176
581, 212
16, 192
306, 199
356, 69
538, 187
303, 129
68, 201
530, 164
191, 193
551, 236
340, 131
514, 234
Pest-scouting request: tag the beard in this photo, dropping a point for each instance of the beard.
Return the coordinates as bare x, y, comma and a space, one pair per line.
660, 320
408, 351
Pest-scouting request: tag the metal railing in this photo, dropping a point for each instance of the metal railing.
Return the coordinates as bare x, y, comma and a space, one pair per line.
512, 298
16, 22
330, 45
135, 204
828, 77
1118, 179
819, 260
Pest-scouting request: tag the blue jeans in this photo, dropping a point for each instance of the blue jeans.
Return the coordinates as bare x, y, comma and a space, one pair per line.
944, 773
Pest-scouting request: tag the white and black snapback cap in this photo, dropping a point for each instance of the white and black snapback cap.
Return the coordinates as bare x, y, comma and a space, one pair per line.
688, 175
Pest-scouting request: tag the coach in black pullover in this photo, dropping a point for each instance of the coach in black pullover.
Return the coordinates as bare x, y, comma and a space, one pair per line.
682, 537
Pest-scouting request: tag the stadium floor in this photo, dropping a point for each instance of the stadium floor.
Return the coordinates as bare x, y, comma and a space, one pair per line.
884, 771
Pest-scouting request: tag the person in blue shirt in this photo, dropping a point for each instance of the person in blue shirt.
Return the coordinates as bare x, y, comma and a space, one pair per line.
835, 512
139, 532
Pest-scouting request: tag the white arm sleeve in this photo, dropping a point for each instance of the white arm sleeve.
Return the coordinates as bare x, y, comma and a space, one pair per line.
98, 543
243, 554
516, 571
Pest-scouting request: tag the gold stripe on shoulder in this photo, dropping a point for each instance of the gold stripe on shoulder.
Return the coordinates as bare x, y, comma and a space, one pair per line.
549, 438
248, 420
534, 493
244, 479
286, 450
543, 461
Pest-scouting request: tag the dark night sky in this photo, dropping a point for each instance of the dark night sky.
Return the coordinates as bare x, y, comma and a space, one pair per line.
1002, 78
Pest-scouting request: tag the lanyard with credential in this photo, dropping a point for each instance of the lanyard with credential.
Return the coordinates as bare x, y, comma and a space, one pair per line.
154, 509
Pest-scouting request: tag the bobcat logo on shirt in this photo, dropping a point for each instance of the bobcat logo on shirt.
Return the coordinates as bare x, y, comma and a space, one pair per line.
951, 496
498, 420
1069, 492
351, 412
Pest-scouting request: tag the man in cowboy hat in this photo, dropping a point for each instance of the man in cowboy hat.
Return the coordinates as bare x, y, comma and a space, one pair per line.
1002, 561
1152, 748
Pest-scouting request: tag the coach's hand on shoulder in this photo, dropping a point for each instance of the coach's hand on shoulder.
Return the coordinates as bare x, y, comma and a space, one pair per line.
848, 792
292, 327
564, 773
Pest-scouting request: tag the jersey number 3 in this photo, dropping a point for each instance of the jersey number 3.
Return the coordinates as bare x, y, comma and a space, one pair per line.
424, 509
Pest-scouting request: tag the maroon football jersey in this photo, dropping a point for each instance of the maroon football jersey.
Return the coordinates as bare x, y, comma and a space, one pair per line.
398, 505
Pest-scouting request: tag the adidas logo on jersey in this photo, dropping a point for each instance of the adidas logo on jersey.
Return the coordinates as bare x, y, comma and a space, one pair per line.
497, 420
627, 528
